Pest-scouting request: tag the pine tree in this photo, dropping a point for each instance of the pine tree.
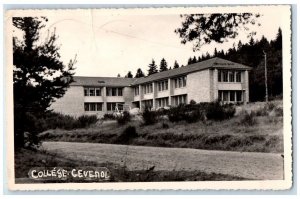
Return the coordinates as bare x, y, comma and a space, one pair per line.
215, 52
190, 61
118, 75
39, 76
129, 75
194, 60
152, 68
163, 65
139, 73
176, 65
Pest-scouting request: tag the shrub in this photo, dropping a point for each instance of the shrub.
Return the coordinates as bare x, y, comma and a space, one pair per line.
149, 117
177, 114
248, 119
193, 102
215, 111
124, 118
86, 120
165, 125
127, 135
109, 116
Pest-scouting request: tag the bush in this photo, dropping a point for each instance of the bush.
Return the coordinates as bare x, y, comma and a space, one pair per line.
86, 120
149, 117
165, 125
123, 118
127, 135
248, 119
109, 116
215, 111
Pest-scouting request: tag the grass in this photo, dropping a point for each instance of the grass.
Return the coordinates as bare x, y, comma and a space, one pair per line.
265, 135
27, 159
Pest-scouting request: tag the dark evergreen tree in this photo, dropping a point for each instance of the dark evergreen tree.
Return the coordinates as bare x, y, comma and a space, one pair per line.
176, 65
190, 61
39, 77
118, 75
215, 52
152, 68
139, 73
163, 65
194, 60
129, 75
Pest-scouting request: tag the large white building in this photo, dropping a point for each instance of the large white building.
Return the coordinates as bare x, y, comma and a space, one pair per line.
206, 81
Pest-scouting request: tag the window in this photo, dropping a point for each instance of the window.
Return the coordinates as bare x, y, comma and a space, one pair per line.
147, 88
220, 73
231, 76
163, 102
225, 76
163, 85
93, 106
98, 91
92, 91
180, 82
238, 77
114, 91
148, 103
179, 99
230, 96
239, 96
86, 92
136, 91
111, 106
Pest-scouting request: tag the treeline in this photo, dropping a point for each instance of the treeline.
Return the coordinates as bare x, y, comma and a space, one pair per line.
250, 54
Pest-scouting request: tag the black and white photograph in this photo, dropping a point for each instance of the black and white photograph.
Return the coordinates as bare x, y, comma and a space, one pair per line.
150, 98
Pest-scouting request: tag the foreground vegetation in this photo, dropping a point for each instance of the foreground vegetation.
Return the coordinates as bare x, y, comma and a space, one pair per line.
257, 130
27, 159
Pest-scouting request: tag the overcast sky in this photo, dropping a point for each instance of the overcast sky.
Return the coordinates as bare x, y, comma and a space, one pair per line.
108, 44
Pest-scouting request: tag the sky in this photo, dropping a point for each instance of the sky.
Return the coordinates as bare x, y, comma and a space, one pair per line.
110, 43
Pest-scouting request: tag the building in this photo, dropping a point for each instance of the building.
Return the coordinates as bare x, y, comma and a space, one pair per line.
206, 81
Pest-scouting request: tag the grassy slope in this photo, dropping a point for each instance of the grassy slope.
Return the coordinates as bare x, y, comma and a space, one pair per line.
265, 136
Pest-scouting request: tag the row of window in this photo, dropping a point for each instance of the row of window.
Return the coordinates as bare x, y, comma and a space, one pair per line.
94, 91
230, 96
114, 91
98, 106
93, 106
229, 76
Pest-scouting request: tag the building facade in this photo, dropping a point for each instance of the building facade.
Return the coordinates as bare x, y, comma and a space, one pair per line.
207, 81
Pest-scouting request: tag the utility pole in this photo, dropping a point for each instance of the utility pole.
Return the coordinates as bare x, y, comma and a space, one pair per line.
266, 76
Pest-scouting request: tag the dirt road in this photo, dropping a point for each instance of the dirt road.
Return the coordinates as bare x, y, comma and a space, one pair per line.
267, 166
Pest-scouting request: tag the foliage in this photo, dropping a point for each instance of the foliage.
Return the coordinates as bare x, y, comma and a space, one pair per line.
127, 135
139, 73
215, 111
149, 117
248, 119
176, 65
205, 28
109, 116
86, 120
129, 75
39, 76
152, 68
163, 65
123, 118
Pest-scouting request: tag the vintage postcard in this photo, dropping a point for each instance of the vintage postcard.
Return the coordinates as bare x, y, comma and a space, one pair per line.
176, 98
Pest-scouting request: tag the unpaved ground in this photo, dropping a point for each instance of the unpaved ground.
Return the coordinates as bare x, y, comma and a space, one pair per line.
267, 166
